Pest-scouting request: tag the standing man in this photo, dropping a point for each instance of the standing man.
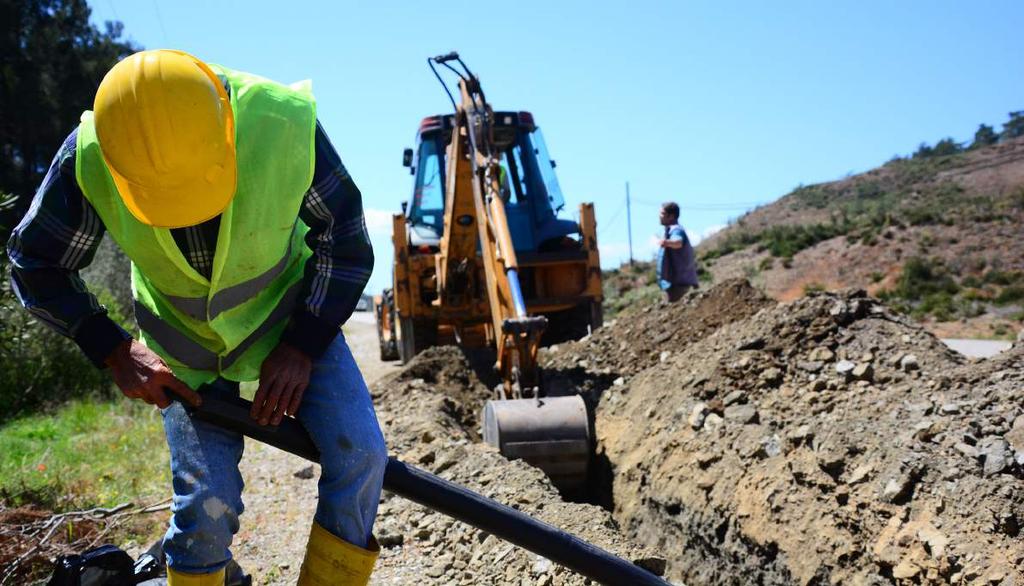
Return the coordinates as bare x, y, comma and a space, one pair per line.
677, 263
248, 251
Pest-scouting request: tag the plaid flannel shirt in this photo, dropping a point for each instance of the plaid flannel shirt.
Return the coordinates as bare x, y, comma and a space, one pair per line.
61, 232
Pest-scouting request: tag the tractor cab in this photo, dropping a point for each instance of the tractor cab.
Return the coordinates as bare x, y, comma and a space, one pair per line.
529, 186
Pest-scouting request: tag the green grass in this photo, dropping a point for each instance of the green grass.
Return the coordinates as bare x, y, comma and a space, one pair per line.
85, 453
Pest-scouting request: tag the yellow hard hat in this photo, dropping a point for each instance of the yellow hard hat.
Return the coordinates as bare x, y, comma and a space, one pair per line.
167, 133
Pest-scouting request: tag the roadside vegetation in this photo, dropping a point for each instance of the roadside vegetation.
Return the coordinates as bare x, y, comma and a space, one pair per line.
636, 284
900, 193
88, 452
629, 285
40, 369
928, 287
68, 440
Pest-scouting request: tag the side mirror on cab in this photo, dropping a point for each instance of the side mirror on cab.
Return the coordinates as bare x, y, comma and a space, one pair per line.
407, 158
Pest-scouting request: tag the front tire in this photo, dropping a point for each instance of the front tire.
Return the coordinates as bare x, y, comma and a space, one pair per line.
386, 312
415, 336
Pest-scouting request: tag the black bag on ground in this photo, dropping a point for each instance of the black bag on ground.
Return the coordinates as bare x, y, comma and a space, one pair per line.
107, 565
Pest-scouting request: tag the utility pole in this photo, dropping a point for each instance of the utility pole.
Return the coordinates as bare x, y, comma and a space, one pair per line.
629, 225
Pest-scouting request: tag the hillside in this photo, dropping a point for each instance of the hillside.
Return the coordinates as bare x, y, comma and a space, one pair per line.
939, 236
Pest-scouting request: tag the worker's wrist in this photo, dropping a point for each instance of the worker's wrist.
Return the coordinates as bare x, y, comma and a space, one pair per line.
98, 336
309, 334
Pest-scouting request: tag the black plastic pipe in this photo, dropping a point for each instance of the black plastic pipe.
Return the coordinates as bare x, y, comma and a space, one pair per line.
446, 497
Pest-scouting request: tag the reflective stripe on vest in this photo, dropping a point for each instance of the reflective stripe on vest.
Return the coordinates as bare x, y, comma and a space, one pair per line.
193, 355
202, 309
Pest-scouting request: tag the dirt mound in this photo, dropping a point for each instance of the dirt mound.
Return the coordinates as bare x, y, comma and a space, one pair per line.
429, 413
827, 440
635, 340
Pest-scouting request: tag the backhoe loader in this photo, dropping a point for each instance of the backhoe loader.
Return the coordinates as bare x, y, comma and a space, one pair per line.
482, 258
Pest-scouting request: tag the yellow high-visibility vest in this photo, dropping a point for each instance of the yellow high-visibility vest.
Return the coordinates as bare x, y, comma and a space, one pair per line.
224, 326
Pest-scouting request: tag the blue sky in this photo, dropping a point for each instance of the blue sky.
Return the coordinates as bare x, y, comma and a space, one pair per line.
716, 105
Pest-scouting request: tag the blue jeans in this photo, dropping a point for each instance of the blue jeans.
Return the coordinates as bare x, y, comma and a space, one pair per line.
337, 412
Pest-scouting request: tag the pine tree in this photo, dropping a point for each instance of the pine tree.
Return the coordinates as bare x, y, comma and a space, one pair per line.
985, 136
52, 60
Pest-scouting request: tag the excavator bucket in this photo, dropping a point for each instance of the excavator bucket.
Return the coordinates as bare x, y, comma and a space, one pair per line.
551, 433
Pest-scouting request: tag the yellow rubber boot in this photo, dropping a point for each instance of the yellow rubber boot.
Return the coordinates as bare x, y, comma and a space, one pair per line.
183, 579
332, 561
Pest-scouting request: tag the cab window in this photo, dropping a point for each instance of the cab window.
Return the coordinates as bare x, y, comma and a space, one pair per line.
428, 195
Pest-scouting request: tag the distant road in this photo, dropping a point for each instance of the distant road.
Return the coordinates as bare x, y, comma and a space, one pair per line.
978, 348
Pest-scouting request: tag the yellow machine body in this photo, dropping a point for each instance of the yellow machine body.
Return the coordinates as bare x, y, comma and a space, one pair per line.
482, 260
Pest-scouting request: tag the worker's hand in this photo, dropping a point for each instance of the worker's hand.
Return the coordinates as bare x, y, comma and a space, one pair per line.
141, 374
662, 243
284, 376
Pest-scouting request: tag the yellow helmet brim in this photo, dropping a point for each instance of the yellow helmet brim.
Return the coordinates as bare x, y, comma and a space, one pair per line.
187, 204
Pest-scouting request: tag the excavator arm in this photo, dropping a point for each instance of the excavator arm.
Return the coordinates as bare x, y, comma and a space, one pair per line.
466, 284
474, 203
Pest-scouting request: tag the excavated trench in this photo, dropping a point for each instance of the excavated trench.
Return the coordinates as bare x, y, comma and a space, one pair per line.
827, 440
430, 411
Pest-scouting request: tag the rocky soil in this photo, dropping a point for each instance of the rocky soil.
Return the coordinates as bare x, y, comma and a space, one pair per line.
738, 441
826, 440
429, 412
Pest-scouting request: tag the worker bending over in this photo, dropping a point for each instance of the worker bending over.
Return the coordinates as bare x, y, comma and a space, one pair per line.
248, 251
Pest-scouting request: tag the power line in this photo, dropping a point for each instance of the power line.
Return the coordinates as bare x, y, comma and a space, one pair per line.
113, 10
611, 221
156, 7
724, 207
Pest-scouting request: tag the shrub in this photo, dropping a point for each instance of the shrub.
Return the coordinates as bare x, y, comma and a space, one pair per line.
812, 288
984, 136
1011, 294
703, 274
924, 277
39, 367
786, 241
869, 190
1014, 127
815, 196
940, 305
999, 277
